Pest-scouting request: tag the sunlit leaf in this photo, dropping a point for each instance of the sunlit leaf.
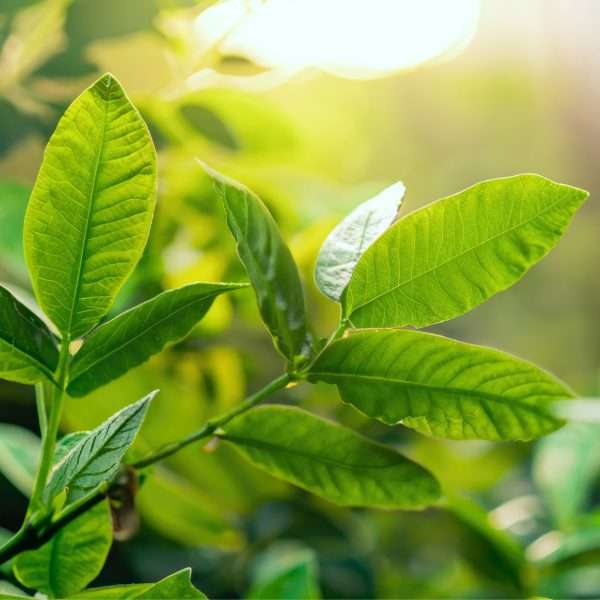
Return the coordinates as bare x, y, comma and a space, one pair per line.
8, 591
350, 239
67, 443
19, 452
329, 460
27, 347
96, 458
90, 210
134, 336
285, 571
178, 585
270, 266
441, 387
445, 259
72, 558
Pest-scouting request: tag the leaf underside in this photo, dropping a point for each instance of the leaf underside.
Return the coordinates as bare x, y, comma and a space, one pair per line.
445, 259
90, 211
329, 460
134, 336
441, 387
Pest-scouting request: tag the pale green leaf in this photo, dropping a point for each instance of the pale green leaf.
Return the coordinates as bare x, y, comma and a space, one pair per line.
90, 211
72, 558
566, 468
134, 336
329, 460
269, 264
67, 443
8, 591
441, 387
96, 458
19, 453
178, 585
445, 259
350, 239
27, 347
13, 202
285, 571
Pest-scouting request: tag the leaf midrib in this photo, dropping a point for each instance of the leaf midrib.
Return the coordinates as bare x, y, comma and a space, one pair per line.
91, 203
453, 258
454, 391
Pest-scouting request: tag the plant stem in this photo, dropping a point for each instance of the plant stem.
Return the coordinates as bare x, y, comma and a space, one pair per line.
212, 425
40, 402
49, 439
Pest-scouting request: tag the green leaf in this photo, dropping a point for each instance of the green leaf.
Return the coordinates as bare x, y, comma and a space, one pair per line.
329, 460
178, 585
67, 443
286, 571
350, 239
134, 336
72, 558
566, 467
27, 347
97, 457
441, 387
445, 259
269, 264
19, 453
8, 590
90, 211
13, 203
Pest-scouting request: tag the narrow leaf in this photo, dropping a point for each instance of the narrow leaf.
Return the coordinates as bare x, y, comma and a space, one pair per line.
27, 347
178, 585
329, 460
90, 211
445, 259
269, 264
96, 458
19, 454
441, 387
349, 240
72, 558
134, 336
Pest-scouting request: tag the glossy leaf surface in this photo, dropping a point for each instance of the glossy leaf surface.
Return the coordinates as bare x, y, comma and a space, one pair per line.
329, 460
27, 347
90, 211
134, 336
441, 387
96, 458
269, 264
72, 558
350, 239
445, 259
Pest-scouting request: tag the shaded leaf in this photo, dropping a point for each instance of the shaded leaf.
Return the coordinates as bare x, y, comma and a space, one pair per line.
90, 210
329, 460
441, 387
445, 259
13, 202
27, 347
72, 558
97, 457
19, 453
350, 239
178, 585
269, 264
134, 336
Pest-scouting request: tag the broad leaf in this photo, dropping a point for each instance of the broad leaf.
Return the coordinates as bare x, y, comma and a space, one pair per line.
72, 558
269, 264
96, 458
445, 259
27, 347
329, 460
67, 443
178, 585
566, 468
441, 387
349, 240
285, 571
90, 210
19, 453
134, 336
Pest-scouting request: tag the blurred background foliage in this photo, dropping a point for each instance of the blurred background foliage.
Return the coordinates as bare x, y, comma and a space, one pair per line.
518, 92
